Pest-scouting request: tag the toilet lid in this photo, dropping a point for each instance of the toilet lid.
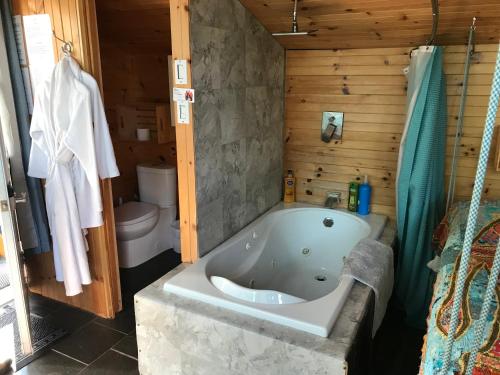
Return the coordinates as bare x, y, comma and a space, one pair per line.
134, 212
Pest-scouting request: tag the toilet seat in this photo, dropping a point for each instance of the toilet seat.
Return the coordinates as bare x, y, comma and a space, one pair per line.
134, 212
135, 219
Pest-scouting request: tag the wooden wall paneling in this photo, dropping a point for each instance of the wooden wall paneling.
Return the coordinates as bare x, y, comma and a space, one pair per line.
87, 19
179, 16
369, 86
129, 154
377, 23
75, 20
135, 42
165, 130
152, 116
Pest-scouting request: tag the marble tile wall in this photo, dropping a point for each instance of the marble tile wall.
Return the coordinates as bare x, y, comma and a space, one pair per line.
238, 74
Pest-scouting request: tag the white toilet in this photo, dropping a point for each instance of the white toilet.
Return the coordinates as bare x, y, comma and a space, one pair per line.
143, 229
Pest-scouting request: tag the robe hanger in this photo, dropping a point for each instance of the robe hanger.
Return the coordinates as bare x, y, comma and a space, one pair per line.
67, 46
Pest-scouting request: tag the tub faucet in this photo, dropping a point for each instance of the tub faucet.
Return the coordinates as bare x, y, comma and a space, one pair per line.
332, 199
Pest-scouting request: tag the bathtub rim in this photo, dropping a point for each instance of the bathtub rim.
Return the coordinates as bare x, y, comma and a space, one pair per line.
290, 315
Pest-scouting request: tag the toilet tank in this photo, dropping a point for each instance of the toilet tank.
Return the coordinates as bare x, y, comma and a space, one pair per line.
157, 184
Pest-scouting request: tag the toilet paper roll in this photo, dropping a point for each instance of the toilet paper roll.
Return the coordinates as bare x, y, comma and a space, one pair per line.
143, 135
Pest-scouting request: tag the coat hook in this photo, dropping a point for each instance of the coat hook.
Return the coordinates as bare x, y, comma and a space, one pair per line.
67, 47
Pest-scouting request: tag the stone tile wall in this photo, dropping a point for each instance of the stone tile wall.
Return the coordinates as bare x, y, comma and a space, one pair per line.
238, 74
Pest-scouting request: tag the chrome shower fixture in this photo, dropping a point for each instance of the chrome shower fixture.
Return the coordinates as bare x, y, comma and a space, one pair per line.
295, 26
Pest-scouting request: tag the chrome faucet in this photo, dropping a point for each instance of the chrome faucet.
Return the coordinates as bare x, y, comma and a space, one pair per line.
332, 199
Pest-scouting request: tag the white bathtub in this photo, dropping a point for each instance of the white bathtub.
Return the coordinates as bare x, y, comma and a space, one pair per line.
284, 267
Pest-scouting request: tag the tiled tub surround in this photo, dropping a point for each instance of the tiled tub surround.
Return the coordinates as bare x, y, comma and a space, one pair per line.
285, 267
238, 75
177, 335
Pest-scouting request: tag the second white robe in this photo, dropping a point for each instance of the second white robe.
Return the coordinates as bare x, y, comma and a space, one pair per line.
62, 134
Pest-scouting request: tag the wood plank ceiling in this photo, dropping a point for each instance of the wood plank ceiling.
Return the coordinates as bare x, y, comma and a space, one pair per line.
377, 23
141, 25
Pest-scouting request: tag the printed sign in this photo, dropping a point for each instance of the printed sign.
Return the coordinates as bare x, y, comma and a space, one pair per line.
39, 47
183, 112
183, 95
181, 72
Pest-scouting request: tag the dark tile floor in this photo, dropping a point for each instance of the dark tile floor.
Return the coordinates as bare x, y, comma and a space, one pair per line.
92, 346
101, 346
95, 345
397, 346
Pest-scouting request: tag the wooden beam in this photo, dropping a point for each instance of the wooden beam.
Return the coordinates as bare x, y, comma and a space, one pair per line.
181, 50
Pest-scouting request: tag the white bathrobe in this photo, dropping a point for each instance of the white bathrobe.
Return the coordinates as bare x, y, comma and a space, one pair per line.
64, 153
89, 198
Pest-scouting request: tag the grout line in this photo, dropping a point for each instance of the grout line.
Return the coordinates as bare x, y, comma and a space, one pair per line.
78, 329
94, 360
124, 354
68, 356
111, 328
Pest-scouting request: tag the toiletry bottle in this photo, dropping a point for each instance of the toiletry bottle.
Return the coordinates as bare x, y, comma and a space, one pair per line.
365, 192
352, 204
289, 188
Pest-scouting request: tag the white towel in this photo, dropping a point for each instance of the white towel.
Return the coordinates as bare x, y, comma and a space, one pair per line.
371, 263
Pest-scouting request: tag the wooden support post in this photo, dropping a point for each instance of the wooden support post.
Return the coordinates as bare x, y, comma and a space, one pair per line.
179, 21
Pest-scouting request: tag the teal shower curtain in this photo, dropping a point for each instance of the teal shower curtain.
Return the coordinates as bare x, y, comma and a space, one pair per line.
420, 180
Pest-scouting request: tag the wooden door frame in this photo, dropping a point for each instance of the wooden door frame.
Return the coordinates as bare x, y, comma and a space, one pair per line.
91, 61
10, 237
76, 20
181, 50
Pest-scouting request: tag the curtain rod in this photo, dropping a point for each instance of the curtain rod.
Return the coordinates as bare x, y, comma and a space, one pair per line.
435, 21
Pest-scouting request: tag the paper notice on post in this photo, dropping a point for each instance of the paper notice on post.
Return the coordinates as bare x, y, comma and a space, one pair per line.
39, 47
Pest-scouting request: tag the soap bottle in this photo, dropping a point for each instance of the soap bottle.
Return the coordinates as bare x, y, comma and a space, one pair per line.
352, 204
289, 188
364, 193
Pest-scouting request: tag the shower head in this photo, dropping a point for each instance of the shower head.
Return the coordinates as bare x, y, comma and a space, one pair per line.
295, 26
292, 33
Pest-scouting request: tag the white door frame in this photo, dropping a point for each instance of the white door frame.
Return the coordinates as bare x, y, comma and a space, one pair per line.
14, 251
8, 218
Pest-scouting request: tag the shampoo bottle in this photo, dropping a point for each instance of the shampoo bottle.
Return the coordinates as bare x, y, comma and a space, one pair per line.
364, 193
289, 188
352, 205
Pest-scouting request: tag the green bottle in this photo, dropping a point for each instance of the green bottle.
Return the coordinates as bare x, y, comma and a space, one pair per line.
353, 197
